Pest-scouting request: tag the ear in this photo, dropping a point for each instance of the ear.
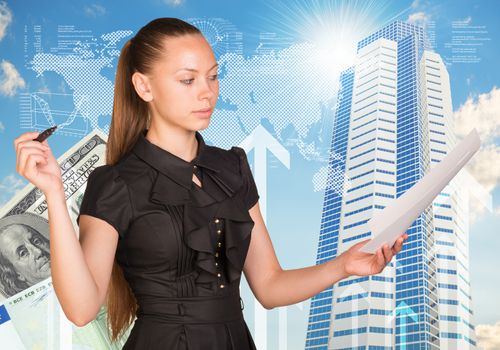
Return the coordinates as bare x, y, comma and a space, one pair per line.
142, 86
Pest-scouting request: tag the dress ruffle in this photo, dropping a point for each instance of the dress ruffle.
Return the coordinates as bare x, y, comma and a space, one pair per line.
217, 199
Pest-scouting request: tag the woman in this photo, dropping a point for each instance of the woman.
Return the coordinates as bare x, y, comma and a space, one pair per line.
165, 226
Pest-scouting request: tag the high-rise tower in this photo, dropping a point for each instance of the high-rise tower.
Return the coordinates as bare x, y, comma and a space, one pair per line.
393, 123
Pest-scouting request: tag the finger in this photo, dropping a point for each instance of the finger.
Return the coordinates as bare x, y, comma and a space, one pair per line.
29, 143
380, 257
27, 148
32, 162
387, 253
24, 160
396, 248
32, 144
49, 150
30, 135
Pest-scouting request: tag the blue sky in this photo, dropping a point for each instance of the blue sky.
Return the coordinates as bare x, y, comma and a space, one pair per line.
474, 85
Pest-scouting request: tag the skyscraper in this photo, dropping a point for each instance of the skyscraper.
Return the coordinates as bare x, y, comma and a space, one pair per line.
393, 123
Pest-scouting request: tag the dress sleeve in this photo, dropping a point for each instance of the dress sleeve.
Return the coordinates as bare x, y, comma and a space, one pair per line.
250, 193
106, 197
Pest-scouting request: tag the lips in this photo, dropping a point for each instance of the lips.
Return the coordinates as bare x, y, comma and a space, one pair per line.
205, 110
45, 262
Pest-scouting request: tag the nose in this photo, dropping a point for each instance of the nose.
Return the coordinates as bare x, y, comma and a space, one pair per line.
36, 252
208, 89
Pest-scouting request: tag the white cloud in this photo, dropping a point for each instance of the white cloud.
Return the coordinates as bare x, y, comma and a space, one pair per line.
94, 10
173, 2
419, 18
5, 18
2, 127
9, 186
10, 79
485, 166
488, 336
421, 4
483, 113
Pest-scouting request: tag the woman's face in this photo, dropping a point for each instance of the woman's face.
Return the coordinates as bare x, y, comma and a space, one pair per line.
184, 85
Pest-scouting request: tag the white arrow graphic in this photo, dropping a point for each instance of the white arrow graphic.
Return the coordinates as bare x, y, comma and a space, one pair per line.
260, 140
405, 312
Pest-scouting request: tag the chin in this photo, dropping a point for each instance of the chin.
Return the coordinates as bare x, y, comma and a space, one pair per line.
203, 126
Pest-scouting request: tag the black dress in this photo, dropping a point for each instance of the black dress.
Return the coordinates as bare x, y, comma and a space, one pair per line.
182, 247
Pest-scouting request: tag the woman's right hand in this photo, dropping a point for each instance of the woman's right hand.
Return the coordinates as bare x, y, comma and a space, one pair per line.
35, 161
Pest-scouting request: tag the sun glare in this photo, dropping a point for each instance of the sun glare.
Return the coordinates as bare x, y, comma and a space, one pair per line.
333, 27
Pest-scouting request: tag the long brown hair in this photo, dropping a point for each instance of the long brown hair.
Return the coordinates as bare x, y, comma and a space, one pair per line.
130, 117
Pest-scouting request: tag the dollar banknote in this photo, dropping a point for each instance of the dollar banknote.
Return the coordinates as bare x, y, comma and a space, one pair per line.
30, 314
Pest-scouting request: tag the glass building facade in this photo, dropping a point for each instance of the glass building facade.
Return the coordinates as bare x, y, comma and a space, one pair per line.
392, 124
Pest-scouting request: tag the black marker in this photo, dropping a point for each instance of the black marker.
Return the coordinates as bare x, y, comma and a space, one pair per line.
45, 134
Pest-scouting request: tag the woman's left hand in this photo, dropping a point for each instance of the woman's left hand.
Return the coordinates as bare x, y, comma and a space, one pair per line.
362, 264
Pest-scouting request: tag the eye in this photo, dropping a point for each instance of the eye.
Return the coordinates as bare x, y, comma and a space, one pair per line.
187, 81
214, 77
36, 241
22, 251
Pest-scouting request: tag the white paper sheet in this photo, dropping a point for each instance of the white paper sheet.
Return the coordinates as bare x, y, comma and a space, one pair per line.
390, 223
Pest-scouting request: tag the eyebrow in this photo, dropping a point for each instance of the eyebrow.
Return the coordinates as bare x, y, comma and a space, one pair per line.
194, 70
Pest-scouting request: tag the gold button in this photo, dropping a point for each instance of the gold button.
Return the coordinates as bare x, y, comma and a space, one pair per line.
195, 166
216, 221
219, 244
217, 255
216, 264
222, 286
218, 275
219, 232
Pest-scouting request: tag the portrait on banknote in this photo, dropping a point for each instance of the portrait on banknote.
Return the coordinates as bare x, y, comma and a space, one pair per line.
24, 252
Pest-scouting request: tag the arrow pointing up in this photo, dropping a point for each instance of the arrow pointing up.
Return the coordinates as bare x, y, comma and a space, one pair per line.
261, 140
405, 312
403, 309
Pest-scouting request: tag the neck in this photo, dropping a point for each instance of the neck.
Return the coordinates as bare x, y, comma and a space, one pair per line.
180, 142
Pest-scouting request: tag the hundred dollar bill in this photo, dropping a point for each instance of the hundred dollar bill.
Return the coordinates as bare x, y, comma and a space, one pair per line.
26, 292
